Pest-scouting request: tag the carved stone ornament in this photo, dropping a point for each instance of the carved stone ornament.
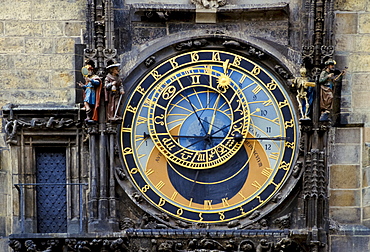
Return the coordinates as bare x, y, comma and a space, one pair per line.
191, 44
209, 3
283, 222
12, 126
150, 61
134, 241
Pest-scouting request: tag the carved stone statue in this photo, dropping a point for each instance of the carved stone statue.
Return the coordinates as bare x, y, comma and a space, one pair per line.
113, 91
264, 246
209, 3
327, 82
92, 88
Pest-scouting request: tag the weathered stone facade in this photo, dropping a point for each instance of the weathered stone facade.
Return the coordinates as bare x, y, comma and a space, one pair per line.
42, 51
37, 55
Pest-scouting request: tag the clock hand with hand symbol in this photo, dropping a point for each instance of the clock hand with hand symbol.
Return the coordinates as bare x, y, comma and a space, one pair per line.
208, 136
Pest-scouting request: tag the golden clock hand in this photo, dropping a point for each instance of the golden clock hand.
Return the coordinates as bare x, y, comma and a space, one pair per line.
239, 137
236, 137
209, 136
226, 66
196, 115
214, 115
194, 182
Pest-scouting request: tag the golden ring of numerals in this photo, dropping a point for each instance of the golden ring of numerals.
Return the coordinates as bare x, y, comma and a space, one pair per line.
198, 159
149, 170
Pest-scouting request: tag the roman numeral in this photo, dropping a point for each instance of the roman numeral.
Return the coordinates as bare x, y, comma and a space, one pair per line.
274, 155
148, 172
256, 89
207, 204
195, 79
256, 184
141, 120
160, 185
267, 172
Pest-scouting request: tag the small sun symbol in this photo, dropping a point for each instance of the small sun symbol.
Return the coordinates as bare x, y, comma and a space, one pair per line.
223, 82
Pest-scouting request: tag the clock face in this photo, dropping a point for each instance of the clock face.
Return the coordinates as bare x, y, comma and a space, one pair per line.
208, 136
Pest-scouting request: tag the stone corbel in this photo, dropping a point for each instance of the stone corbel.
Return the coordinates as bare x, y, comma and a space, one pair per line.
206, 10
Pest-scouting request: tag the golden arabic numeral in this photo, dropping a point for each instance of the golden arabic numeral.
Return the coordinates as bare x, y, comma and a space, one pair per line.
283, 103
131, 109
237, 60
169, 92
161, 202
195, 79
179, 212
216, 56
127, 151
194, 57
160, 120
207, 204
222, 215
173, 63
271, 86
289, 124
156, 75
134, 170
145, 188
200, 217
256, 70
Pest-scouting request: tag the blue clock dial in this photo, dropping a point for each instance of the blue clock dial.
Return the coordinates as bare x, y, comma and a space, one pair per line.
209, 136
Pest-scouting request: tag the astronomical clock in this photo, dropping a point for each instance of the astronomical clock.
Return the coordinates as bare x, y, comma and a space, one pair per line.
209, 135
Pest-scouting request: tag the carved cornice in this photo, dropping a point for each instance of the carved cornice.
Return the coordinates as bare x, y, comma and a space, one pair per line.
167, 240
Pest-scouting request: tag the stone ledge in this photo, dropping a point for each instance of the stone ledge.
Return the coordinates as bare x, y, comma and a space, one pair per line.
227, 8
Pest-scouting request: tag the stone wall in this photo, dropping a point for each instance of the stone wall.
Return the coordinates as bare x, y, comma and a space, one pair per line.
352, 33
37, 47
349, 186
37, 41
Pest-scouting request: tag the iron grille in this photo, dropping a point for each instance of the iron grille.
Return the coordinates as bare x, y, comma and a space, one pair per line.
51, 199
